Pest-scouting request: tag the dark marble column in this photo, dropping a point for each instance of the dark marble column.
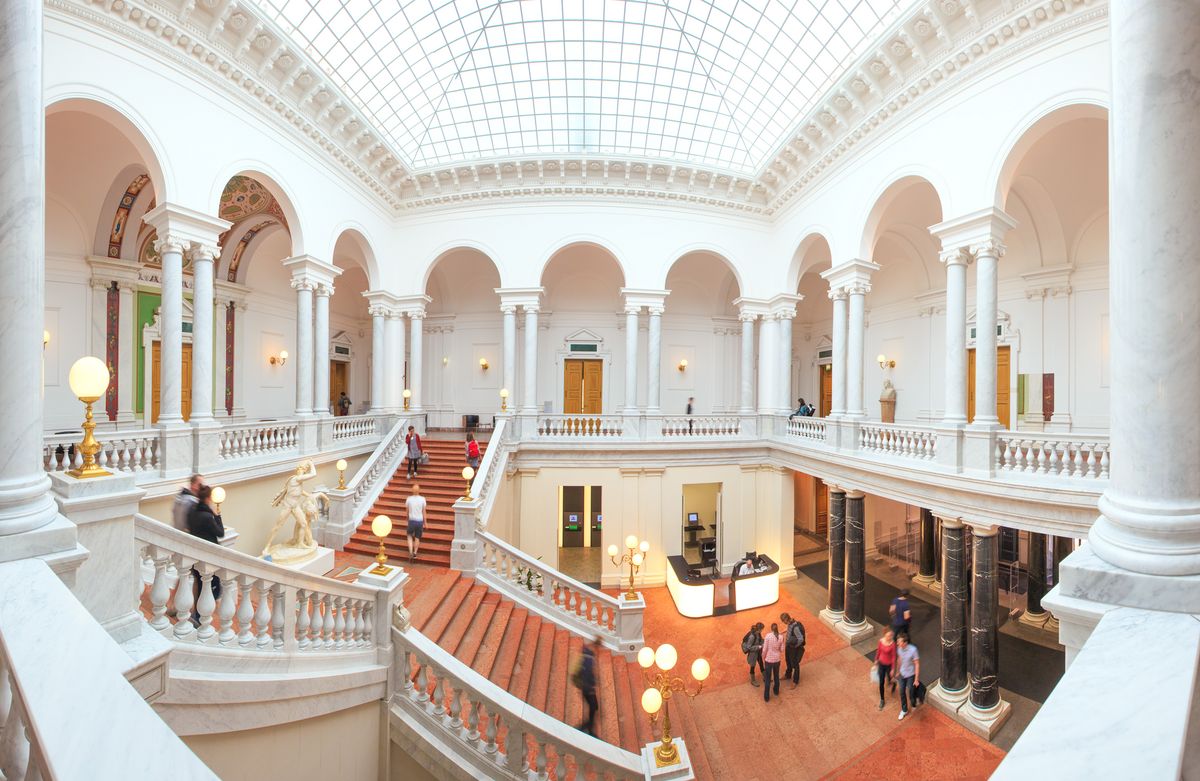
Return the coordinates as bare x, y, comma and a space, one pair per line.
925, 570
856, 558
837, 550
937, 551
1063, 546
1037, 575
985, 613
954, 607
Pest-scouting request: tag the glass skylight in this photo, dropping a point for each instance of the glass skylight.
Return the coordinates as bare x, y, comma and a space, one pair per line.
717, 84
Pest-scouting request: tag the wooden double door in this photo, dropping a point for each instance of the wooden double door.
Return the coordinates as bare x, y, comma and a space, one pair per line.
156, 382
339, 381
1003, 376
583, 386
826, 401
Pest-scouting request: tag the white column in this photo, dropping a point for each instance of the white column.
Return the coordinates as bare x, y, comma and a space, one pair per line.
509, 312
202, 332
304, 345
987, 256
219, 311
654, 361
1150, 510
840, 327
378, 357
854, 350
170, 407
321, 404
125, 372
25, 499
785, 359
956, 337
767, 352
415, 360
747, 389
631, 358
239, 359
394, 363
529, 385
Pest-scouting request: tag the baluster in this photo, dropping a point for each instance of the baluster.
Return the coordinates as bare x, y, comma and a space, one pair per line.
455, 707
1056, 459
14, 746
226, 607
472, 721
594, 611
439, 694
319, 618
493, 726
205, 605
560, 768
368, 623
1078, 461
1025, 455
542, 772
330, 626
277, 617
339, 623
570, 601
302, 619
1104, 461
245, 611
183, 600
423, 682
160, 592
262, 617
516, 750
1043, 458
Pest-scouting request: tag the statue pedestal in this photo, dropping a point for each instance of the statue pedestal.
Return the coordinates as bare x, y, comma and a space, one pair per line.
319, 563
887, 410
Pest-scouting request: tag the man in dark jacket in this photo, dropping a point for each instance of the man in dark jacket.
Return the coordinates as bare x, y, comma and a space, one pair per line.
587, 685
204, 522
793, 649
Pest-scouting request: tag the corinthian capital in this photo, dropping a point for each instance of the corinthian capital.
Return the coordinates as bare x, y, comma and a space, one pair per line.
166, 243
203, 252
377, 310
961, 256
300, 283
323, 290
993, 248
837, 294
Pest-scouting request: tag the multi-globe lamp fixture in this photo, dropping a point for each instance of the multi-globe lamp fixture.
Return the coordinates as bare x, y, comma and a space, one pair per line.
661, 686
635, 555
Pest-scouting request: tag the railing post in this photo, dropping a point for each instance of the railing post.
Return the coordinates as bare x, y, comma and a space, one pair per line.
628, 625
464, 550
308, 435
979, 451
336, 531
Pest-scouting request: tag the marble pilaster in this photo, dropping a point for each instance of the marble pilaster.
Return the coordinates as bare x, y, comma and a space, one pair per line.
838, 366
654, 360
310, 277
956, 262
304, 346
856, 317
987, 260
746, 391
783, 310
125, 320
508, 313
416, 345
170, 405
394, 353
322, 405
378, 352
632, 312
529, 384
202, 257
768, 331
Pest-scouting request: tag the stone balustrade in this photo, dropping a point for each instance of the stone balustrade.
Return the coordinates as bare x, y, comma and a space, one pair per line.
812, 429
136, 452
898, 440
353, 427
256, 440
580, 426
702, 426
349, 505
1064, 455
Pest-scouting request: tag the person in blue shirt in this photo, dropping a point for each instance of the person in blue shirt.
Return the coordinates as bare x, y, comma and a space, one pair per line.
908, 660
901, 614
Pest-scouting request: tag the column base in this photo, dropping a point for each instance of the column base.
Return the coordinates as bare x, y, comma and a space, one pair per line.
1035, 619
831, 618
947, 701
852, 633
923, 580
984, 723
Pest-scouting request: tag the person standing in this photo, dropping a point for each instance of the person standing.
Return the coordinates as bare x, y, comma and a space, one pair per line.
204, 521
885, 660
473, 452
415, 508
793, 650
585, 679
412, 441
752, 644
343, 404
908, 660
772, 654
691, 403
901, 614
185, 500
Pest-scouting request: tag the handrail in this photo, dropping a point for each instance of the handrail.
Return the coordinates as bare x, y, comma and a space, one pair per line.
349, 505
587, 426
1065, 455
133, 451
353, 426
495, 459
896, 439
701, 426
435, 685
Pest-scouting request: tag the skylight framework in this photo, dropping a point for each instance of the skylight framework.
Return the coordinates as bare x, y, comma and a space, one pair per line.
717, 84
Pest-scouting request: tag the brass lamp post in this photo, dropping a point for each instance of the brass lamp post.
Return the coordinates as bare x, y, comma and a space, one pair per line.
468, 474
341, 467
634, 558
504, 399
407, 394
89, 380
381, 527
660, 686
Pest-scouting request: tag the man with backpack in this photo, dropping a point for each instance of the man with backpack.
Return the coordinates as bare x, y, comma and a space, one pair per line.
793, 649
583, 677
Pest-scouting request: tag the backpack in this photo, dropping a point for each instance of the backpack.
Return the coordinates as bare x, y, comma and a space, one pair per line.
748, 643
795, 636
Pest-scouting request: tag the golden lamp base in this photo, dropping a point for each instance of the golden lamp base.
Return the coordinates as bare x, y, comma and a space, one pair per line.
666, 755
380, 569
89, 470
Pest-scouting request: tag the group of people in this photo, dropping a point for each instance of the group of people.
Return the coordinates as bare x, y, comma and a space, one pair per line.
195, 512
767, 651
897, 660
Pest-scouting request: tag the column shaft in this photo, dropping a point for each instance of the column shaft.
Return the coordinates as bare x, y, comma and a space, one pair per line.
956, 338
985, 337
394, 361
856, 559
25, 499
170, 406
416, 361
837, 550
785, 363
1062, 548
926, 566
840, 328
954, 606
510, 350
529, 386
304, 346
239, 362
1037, 574
125, 368
854, 353
747, 378
378, 353
654, 361
321, 402
202, 334
767, 352
985, 611
631, 359
219, 310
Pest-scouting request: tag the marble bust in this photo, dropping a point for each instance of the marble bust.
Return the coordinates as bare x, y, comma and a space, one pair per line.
889, 391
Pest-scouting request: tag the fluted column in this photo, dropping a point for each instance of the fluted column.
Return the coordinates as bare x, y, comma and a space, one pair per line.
926, 566
416, 318
394, 350
631, 358
25, 499
854, 350
529, 385
304, 345
953, 684
837, 554
654, 360
509, 313
856, 560
219, 311
768, 331
840, 329
202, 331
170, 405
747, 371
378, 357
956, 262
987, 257
985, 705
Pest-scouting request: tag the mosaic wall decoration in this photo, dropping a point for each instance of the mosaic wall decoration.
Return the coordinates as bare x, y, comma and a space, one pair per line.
121, 218
240, 250
148, 253
245, 197
112, 347
230, 309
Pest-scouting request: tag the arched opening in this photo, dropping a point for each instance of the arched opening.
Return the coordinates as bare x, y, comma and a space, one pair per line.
350, 355
701, 327
812, 335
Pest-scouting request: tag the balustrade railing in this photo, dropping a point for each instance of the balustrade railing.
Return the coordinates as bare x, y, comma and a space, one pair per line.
586, 426
807, 428
491, 469
489, 731
349, 505
1064, 456
254, 440
248, 603
354, 427
134, 452
898, 440
702, 426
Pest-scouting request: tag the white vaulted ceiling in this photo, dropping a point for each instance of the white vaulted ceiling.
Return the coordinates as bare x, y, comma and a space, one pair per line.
715, 83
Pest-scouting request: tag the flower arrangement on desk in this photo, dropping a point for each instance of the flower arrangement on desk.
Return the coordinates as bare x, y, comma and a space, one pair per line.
530, 578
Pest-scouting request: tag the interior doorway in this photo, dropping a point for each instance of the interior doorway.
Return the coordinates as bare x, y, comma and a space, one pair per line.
826, 403
1003, 395
156, 381
583, 386
339, 381
581, 532
701, 526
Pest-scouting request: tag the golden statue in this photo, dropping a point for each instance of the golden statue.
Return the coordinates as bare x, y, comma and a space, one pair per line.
298, 505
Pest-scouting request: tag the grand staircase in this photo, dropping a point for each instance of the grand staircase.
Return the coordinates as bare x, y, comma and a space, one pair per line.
441, 485
531, 659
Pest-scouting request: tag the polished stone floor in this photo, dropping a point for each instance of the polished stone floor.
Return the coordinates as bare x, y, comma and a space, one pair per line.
583, 564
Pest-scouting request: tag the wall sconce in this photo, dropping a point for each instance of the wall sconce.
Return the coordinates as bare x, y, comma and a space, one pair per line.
682, 365
407, 395
341, 467
218, 496
381, 527
504, 399
278, 360
45, 339
468, 474
828, 367
884, 363
483, 364
445, 360
89, 380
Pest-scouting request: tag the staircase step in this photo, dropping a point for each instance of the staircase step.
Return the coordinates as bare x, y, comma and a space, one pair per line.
445, 612
422, 604
463, 617
503, 667
641, 722
684, 724
557, 676
526, 655
608, 728
626, 706
492, 637
539, 684
573, 707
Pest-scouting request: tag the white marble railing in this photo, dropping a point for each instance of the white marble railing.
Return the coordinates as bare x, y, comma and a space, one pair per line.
585, 426
135, 452
488, 732
807, 428
354, 427
1065, 456
261, 607
897, 440
702, 426
491, 469
255, 440
558, 598
348, 506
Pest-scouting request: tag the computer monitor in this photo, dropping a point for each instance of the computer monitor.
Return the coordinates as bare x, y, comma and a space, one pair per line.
751, 555
572, 518
693, 517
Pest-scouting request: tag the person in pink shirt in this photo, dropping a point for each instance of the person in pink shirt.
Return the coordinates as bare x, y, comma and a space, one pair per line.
772, 654
885, 660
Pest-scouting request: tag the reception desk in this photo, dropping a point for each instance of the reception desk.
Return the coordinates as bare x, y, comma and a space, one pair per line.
695, 596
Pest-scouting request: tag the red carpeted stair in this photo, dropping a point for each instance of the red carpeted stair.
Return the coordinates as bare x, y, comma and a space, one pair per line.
441, 485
